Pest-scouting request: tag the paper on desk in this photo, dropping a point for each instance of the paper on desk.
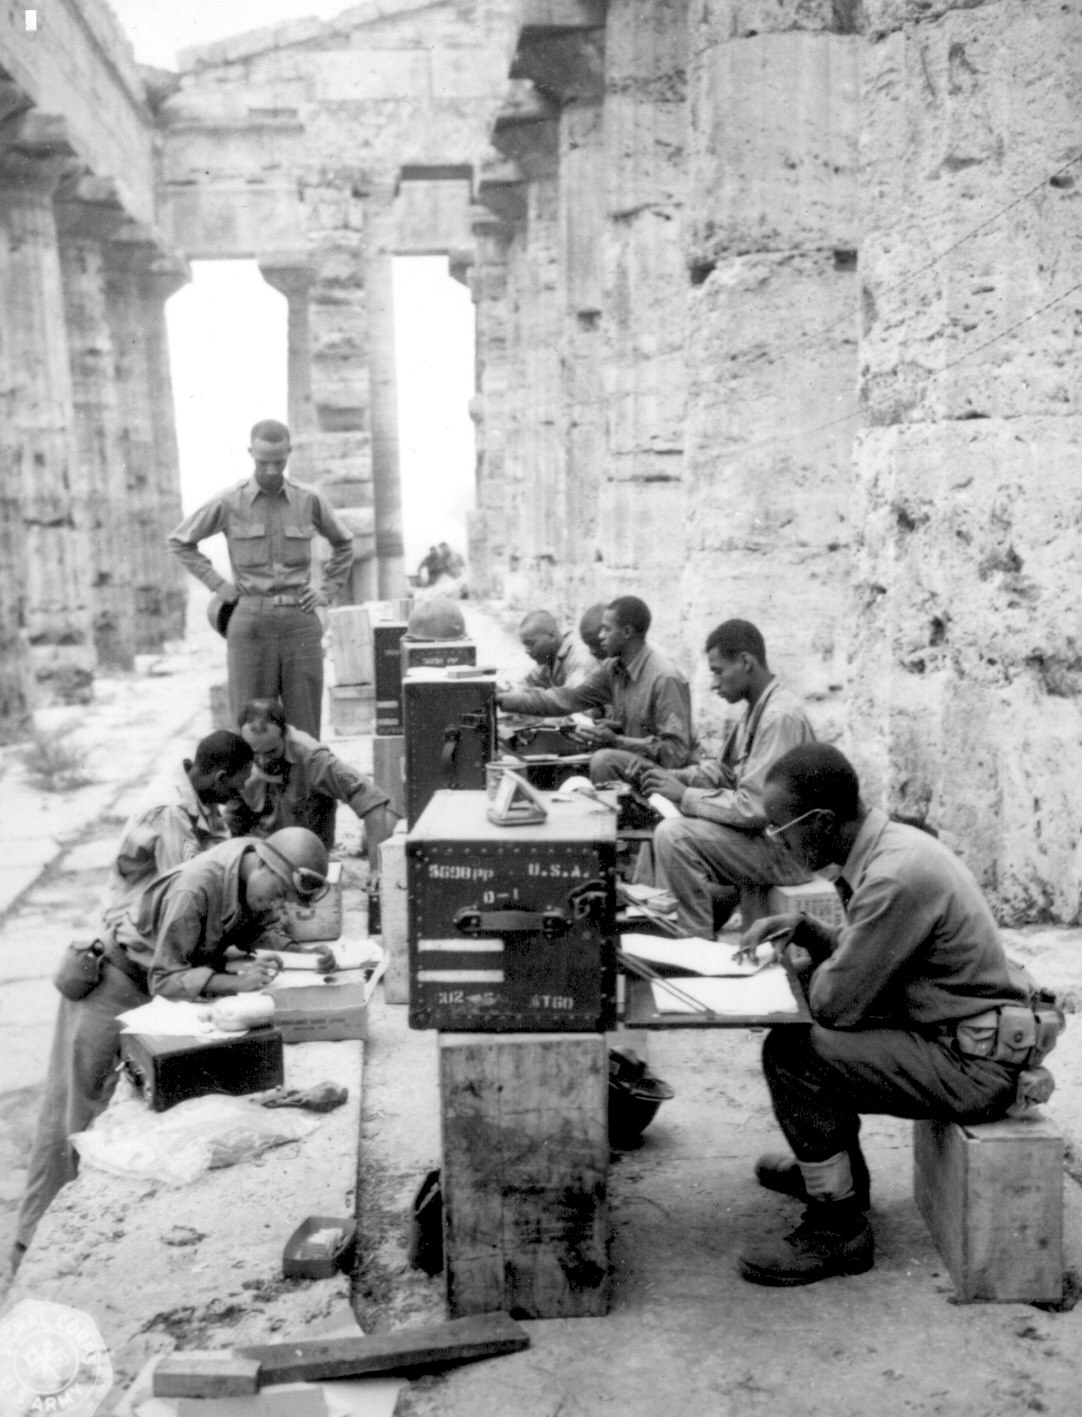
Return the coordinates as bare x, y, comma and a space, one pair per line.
307, 979
662, 806
175, 1018
759, 994
697, 956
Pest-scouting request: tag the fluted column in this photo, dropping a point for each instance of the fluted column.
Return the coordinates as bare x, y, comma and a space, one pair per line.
383, 395
38, 433
88, 213
772, 292
16, 680
290, 272
140, 277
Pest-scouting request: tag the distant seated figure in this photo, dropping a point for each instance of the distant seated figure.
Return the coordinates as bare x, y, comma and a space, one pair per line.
590, 629
429, 570
650, 698
560, 659
298, 782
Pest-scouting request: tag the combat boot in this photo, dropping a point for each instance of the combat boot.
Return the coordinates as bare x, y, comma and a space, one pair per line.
834, 1238
778, 1171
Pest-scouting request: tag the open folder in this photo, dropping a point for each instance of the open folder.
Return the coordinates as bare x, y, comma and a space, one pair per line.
719, 983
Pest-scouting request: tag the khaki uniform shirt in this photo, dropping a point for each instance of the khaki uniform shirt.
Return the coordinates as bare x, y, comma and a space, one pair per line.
310, 771
269, 536
919, 946
572, 666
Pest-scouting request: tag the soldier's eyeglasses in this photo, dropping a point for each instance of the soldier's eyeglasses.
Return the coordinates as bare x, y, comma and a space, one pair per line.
773, 832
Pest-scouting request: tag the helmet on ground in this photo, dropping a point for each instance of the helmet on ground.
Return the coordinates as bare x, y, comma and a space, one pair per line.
299, 858
219, 612
436, 620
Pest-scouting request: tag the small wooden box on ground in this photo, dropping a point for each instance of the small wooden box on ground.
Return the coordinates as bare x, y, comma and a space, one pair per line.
351, 644
992, 1197
327, 1012
450, 733
389, 768
353, 709
512, 928
816, 898
524, 1121
323, 919
168, 1070
394, 918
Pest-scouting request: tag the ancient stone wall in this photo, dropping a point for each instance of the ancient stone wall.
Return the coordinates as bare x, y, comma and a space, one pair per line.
966, 669
76, 188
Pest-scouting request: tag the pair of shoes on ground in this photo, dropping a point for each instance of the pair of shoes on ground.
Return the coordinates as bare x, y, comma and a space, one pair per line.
833, 1238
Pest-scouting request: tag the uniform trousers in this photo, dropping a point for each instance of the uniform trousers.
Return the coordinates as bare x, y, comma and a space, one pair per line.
693, 857
276, 652
822, 1079
80, 1079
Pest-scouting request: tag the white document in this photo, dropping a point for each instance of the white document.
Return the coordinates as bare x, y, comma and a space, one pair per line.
175, 1018
693, 955
765, 993
348, 954
662, 806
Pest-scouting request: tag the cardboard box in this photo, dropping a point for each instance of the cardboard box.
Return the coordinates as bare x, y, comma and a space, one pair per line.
323, 920
816, 897
324, 1013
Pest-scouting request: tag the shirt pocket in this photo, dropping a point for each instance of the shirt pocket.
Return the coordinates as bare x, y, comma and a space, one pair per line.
297, 542
248, 544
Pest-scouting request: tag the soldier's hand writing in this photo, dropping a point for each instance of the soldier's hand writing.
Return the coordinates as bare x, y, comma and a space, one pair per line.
775, 930
256, 974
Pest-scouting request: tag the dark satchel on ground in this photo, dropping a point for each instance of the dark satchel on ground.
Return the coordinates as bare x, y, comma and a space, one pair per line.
79, 972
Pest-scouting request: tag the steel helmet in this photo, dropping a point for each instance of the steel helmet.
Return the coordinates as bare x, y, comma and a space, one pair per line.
298, 857
436, 620
219, 612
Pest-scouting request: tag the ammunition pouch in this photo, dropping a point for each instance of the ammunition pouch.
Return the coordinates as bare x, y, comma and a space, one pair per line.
1020, 1034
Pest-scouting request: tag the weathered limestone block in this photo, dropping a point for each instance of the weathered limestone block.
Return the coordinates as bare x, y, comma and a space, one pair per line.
968, 659
16, 678
742, 19
38, 436
964, 114
774, 125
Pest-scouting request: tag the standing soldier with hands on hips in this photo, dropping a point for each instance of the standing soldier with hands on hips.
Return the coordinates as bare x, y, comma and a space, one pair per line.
274, 636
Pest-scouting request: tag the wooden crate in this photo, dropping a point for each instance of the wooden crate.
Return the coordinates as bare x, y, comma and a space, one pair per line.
992, 1197
389, 768
394, 917
353, 709
525, 1173
351, 644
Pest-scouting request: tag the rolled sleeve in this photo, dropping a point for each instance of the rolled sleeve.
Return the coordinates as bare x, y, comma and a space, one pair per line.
741, 806
341, 542
183, 542
179, 933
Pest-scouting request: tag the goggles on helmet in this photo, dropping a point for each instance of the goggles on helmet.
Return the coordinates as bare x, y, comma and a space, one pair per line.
308, 884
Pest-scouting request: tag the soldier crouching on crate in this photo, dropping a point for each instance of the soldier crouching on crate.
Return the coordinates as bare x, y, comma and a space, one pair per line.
917, 1010
187, 935
297, 781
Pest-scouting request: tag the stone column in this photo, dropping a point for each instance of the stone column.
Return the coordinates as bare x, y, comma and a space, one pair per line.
38, 435
140, 277
561, 51
771, 281
967, 667
527, 132
641, 539
88, 213
291, 273
16, 679
383, 394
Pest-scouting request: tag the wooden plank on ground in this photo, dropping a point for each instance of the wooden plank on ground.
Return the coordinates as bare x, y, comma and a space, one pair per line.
409, 1350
